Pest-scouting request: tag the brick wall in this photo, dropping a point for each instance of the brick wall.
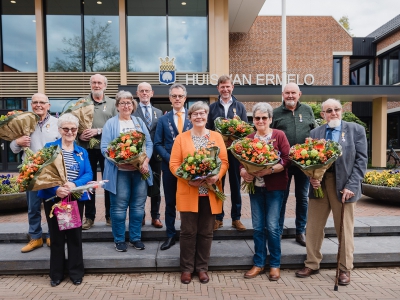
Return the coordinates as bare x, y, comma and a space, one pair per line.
388, 41
311, 42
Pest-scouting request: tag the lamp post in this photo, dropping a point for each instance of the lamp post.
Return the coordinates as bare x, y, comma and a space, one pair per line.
284, 69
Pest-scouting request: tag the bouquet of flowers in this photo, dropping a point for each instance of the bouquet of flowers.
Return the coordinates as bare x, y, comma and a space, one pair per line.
232, 129
314, 157
42, 170
16, 124
8, 184
83, 110
255, 155
78, 191
202, 164
128, 148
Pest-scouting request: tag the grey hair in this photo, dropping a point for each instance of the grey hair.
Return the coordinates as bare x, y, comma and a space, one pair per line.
125, 95
40, 94
104, 77
264, 108
197, 106
67, 118
177, 86
330, 99
144, 82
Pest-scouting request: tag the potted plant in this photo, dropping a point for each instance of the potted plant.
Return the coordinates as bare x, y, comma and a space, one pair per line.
383, 185
10, 196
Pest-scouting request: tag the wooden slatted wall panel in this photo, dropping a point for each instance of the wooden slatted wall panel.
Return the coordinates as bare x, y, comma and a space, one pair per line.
18, 84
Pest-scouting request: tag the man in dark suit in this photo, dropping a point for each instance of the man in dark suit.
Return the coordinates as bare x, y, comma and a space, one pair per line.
227, 106
168, 127
341, 186
150, 115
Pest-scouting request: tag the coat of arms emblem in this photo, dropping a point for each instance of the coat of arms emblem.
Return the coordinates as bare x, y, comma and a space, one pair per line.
167, 70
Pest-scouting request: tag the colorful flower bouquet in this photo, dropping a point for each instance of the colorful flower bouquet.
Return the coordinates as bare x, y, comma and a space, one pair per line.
128, 148
202, 164
83, 110
232, 129
389, 178
42, 170
8, 184
255, 155
314, 157
78, 191
16, 124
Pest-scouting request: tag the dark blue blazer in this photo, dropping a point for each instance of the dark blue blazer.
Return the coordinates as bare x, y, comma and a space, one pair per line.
166, 133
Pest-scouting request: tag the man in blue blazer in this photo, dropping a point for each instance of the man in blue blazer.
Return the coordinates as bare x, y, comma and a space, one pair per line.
150, 116
168, 127
341, 186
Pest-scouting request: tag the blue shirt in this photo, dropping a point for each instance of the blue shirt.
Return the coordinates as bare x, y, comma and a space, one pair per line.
335, 133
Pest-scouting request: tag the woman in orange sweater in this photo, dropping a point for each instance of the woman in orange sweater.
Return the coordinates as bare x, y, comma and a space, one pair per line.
197, 205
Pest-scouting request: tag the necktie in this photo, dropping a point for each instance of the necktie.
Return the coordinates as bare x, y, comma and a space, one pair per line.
180, 123
329, 135
147, 116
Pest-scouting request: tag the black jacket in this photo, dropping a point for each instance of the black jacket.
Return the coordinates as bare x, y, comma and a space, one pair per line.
217, 110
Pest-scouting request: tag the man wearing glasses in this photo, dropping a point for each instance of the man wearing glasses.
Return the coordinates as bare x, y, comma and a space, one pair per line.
46, 131
168, 127
296, 120
104, 109
150, 115
227, 106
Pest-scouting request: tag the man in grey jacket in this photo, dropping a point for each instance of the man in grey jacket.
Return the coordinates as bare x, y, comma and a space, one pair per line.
341, 185
46, 131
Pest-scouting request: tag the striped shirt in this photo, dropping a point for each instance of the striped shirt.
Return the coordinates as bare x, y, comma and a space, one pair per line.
71, 165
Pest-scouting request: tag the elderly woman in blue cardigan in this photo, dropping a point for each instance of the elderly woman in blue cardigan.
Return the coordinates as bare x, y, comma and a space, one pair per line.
126, 187
79, 173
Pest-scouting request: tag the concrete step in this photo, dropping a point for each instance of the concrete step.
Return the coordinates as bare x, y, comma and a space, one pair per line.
364, 226
370, 251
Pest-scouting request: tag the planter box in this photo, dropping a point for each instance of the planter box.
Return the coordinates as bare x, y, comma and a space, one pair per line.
390, 194
13, 201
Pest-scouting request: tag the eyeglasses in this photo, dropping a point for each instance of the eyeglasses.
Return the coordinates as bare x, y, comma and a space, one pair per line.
96, 83
125, 103
199, 114
144, 91
39, 102
66, 130
261, 118
177, 96
330, 110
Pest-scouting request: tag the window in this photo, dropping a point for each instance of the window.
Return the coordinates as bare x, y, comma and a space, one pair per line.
337, 71
18, 30
390, 65
361, 71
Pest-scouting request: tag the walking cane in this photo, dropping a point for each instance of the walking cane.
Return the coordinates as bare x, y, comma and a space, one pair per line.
339, 246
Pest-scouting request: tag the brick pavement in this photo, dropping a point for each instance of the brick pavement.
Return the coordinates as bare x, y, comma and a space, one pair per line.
368, 283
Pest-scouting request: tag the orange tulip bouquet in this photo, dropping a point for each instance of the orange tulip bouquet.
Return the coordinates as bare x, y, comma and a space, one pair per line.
201, 164
232, 129
128, 148
255, 155
16, 124
314, 157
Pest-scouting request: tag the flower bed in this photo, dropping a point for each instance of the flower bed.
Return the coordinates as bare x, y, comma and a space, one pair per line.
10, 197
383, 185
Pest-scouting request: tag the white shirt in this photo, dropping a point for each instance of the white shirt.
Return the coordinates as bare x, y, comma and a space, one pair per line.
182, 116
226, 105
144, 110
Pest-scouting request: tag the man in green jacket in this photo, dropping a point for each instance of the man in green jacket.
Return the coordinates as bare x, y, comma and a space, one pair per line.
296, 120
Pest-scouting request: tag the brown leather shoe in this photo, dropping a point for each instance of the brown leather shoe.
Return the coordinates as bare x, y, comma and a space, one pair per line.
253, 272
344, 277
301, 239
306, 272
274, 274
218, 224
238, 225
156, 223
186, 277
203, 277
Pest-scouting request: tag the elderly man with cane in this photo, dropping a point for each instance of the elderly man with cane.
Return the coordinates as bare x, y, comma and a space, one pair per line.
342, 188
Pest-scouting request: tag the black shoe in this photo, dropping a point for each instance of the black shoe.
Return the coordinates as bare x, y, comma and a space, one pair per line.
77, 281
301, 239
54, 283
168, 243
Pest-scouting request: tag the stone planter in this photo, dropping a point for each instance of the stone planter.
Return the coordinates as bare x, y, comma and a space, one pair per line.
13, 201
389, 194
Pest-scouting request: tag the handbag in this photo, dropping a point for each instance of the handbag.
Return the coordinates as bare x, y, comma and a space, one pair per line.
67, 213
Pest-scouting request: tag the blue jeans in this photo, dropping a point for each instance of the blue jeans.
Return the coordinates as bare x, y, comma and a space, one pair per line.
265, 209
132, 193
34, 215
302, 183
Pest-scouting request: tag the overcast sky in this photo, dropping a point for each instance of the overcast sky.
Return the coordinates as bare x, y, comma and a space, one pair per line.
365, 16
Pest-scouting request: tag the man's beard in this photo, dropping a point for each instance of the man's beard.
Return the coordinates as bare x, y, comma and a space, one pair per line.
97, 94
334, 123
290, 103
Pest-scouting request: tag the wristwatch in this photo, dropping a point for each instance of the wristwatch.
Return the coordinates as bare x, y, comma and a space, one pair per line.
98, 131
272, 170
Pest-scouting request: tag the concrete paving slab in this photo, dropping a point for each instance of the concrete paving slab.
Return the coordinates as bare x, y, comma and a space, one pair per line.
384, 224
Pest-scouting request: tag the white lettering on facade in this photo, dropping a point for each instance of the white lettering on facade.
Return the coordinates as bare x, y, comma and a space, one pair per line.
291, 78
214, 79
278, 80
246, 79
236, 80
311, 79
270, 79
260, 79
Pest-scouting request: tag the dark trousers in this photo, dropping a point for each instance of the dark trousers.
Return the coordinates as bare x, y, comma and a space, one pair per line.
170, 182
234, 181
155, 165
57, 249
196, 237
95, 157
